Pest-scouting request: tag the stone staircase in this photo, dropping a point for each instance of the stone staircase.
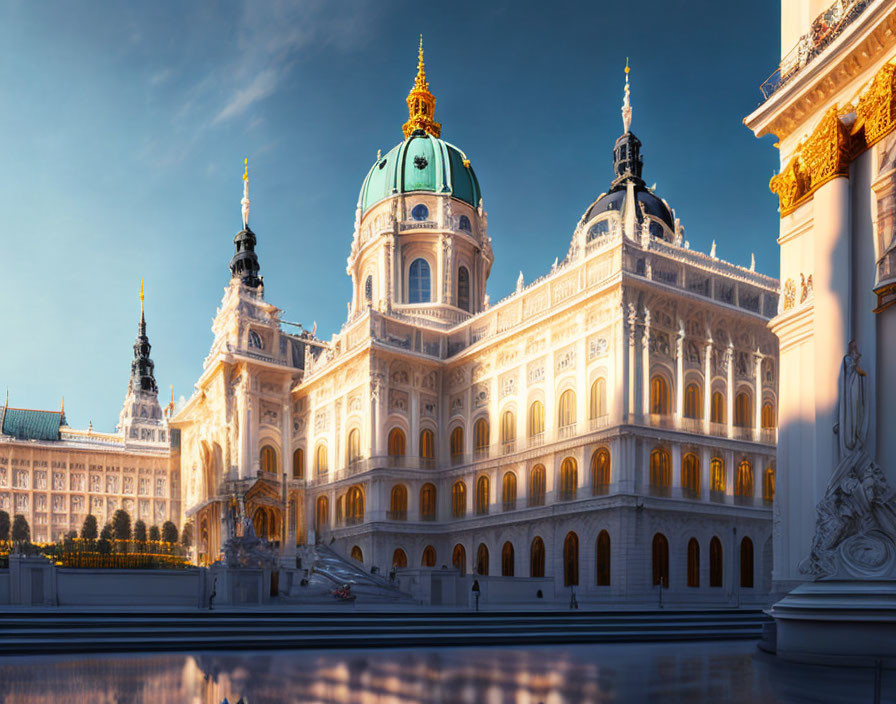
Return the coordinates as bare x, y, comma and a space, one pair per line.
329, 570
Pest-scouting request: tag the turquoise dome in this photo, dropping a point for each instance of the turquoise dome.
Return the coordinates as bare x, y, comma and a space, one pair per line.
420, 163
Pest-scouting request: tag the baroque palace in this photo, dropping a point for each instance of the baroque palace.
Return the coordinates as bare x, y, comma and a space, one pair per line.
610, 425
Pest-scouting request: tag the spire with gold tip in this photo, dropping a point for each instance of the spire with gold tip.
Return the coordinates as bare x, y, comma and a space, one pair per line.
245, 201
626, 104
421, 103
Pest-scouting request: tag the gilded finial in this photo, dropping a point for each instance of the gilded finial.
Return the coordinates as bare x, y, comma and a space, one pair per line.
421, 103
626, 102
141, 296
712, 250
245, 201
63, 404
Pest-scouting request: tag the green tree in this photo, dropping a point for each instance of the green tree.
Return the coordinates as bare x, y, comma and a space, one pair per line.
21, 532
186, 535
89, 528
169, 532
106, 533
4, 525
121, 525
154, 533
103, 546
140, 531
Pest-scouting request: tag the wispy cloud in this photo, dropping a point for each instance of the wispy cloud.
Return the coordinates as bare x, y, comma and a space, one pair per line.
260, 87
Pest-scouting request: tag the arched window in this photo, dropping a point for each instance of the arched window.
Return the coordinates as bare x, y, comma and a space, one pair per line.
600, 471
269, 459
507, 560
459, 499
456, 443
459, 559
357, 554
569, 479
746, 563
429, 557
571, 560
597, 407
743, 410
480, 436
690, 475
298, 464
482, 559
659, 395
464, 224
428, 502
602, 559
743, 482
508, 428
536, 419
693, 563
536, 558
768, 415
660, 556
537, 486
463, 288
660, 472
399, 559
321, 514
717, 479
354, 505
693, 400
717, 410
321, 460
566, 410
715, 562
368, 289
768, 485
418, 282
427, 444
508, 491
396, 442
398, 504
482, 496
353, 446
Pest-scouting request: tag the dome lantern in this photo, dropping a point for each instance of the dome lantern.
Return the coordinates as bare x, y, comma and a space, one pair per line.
421, 103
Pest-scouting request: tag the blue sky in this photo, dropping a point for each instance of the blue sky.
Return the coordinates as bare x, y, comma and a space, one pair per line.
124, 127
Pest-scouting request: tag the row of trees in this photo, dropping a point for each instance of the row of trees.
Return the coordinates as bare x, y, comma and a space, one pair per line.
119, 528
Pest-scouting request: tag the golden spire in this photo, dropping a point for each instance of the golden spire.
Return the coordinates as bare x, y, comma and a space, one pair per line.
244, 203
141, 296
421, 103
63, 404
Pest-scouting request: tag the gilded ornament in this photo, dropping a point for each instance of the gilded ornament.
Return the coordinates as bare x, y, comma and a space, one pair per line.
876, 110
421, 103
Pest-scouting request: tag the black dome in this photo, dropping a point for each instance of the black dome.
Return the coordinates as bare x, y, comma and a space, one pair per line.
653, 205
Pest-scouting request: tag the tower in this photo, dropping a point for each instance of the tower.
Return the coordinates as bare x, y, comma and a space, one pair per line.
244, 263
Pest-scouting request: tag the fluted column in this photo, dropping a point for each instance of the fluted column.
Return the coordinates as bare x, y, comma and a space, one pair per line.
757, 394
707, 385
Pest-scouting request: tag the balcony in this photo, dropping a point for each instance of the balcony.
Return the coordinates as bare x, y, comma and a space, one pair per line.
537, 500
598, 423
719, 429
717, 497
509, 505
508, 447
480, 453
482, 510
768, 436
566, 495
692, 425
660, 491
428, 517
744, 433
600, 489
566, 431
536, 440
397, 515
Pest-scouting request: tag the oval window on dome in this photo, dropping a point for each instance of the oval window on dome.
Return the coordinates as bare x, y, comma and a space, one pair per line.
599, 229
420, 212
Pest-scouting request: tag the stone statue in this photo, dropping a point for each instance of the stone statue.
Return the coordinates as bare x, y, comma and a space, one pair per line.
855, 531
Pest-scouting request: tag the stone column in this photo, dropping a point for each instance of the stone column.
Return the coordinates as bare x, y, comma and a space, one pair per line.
645, 368
729, 391
244, 426
707, 385
676, 470
628, 377
757, 394
679, 375
705, 460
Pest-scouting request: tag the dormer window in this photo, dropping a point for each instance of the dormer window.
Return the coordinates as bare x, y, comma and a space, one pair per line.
420, 212
599, 229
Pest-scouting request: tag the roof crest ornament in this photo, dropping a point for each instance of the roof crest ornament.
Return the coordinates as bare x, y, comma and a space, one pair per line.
421, 103
626, 103
245, 201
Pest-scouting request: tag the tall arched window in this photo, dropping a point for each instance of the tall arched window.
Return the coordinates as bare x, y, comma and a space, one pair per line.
597, 407
768, 415
743, 410
321, 514
693, 563
602, 559
419, 282
537, 486
659, 395
569, 479
459, 499
396, 442
600, 471
717, 409
298, 464
459, 559
428, 502
368, 289
463, 288
508, 491
398, 503
321, 460
768, 485
464, 223
507, 560
566, 409
354, 505
660, 472
269, 460
429, 557
715, 562
353, 446
456, 443
427, 444
536, 558
357, 554
717, 479
536, 419
399, 559
690, 475
508, 428
571, 560
482, 559
693, 400
743, 482
746, 563
482, 496
480, 436
660, 557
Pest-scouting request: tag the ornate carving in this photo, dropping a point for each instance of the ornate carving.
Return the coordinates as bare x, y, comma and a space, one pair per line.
789, 294
876, 109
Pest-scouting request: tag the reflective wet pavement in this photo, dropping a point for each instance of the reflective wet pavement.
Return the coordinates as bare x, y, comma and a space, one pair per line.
696, 673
